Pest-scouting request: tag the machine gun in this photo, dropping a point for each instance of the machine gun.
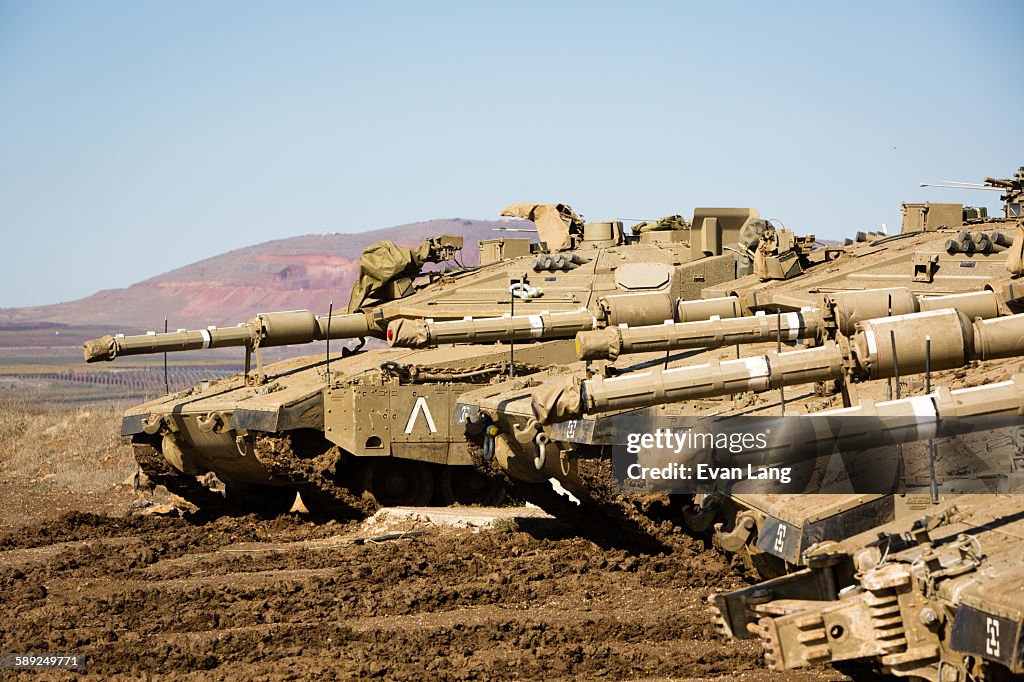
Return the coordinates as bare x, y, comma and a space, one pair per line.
1012, 189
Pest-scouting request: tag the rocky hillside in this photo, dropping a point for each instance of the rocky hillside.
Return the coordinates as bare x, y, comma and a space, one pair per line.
296, 273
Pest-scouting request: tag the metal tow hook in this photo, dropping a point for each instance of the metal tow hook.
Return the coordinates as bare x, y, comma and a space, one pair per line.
541, 440
532, 432
153, 424
489, 435
211, 422
242, 445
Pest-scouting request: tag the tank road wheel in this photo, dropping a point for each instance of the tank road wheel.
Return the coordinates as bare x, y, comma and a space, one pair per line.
266, 500
159, 472
394, 481
467, 485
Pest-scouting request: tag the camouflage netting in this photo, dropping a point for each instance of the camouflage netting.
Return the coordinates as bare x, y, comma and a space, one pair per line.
555, 222
558, 399
382, 262
672, 222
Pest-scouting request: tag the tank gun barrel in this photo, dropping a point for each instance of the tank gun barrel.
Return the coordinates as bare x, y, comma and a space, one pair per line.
842, 311
414, 333
265, 330
714, 333
865, 427
879, 349
612, 311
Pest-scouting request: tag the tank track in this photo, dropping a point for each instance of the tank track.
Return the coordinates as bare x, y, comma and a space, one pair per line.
664, 520
159, 472
316, 477
604, 519
657, 517
587, 518
721, 628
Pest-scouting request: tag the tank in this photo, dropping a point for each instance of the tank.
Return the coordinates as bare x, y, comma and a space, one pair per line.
855, 326
933, 593
374, 423
936, 597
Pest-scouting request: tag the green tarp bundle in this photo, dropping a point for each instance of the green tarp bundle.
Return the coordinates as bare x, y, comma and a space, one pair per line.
672, 222
382, 262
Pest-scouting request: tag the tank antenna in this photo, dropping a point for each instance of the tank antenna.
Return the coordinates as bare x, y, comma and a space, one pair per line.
888, 382
933, 485
778, 349
512, 342
895, 362
928, 364
330, 312
167, 385
951, 184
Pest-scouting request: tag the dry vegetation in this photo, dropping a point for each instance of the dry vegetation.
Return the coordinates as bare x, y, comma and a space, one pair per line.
59, 446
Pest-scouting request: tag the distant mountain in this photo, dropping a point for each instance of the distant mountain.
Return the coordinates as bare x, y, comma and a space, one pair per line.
287, 274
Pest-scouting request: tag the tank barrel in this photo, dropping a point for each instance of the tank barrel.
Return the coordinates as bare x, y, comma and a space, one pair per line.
111, 347
845, 310
879, 349
612, 311
759, 373
849, 308
346, 326
1002, 399
715, 333
958, 185
867, 425
265, 330
414, 333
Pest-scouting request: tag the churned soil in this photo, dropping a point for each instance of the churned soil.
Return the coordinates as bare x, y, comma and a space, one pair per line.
86, 568
247, 598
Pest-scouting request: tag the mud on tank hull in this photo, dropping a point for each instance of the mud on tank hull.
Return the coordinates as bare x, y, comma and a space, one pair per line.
378, 441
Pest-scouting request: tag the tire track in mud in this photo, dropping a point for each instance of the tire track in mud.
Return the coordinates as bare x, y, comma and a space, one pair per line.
243, 598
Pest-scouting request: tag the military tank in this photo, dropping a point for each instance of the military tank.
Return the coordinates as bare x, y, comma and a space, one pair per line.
375, 425
937, 597
864, 317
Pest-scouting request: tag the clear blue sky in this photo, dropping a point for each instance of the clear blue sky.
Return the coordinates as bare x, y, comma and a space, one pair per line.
136, 137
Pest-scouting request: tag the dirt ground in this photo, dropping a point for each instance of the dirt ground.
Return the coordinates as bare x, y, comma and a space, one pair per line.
150, 596
244, 598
